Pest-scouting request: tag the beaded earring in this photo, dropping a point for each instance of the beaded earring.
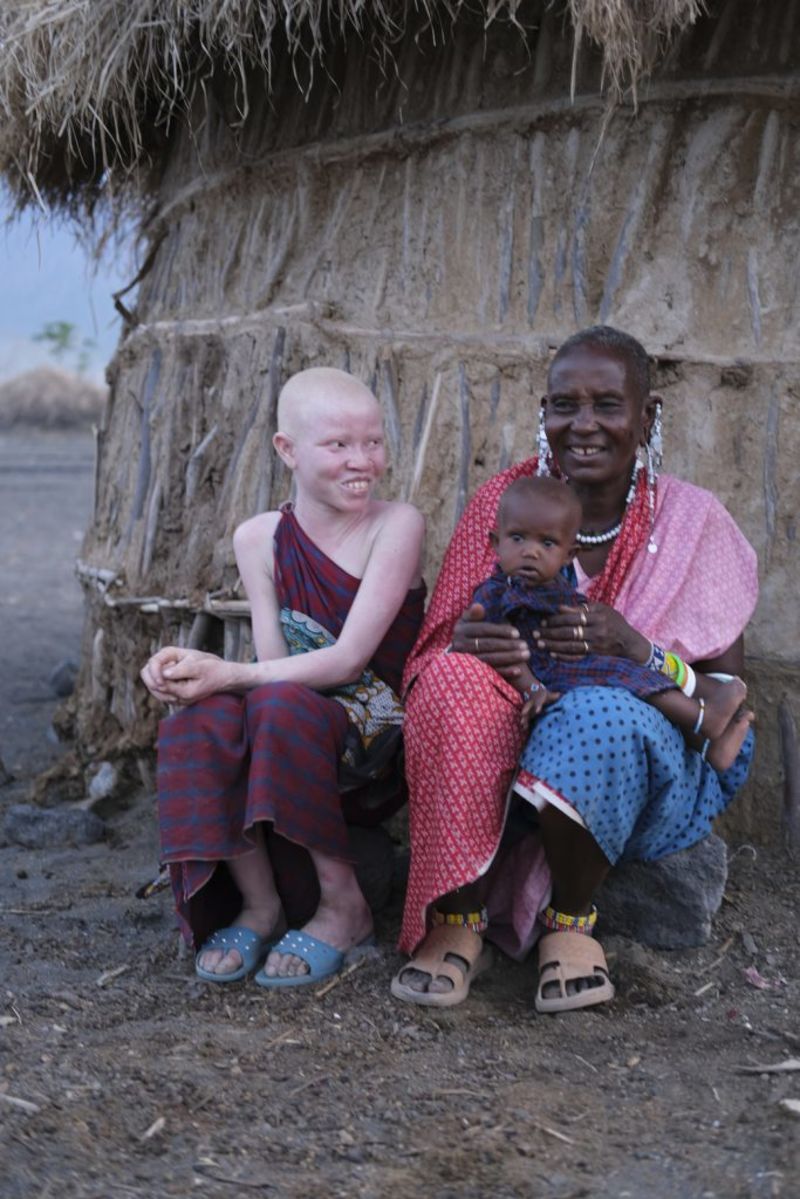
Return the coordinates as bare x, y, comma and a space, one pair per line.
654, 454
542, 446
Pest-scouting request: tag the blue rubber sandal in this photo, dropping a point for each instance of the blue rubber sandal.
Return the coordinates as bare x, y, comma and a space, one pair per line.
252, 948
323, 960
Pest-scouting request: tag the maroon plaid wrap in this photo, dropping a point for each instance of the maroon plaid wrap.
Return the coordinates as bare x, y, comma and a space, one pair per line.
510, 599
271, 756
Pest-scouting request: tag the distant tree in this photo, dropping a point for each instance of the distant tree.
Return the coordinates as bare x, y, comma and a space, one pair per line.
61, 339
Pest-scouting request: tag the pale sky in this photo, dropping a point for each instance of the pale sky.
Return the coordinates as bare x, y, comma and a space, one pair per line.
47, 276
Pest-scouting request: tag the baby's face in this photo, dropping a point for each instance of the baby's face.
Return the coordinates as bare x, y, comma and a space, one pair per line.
534, 541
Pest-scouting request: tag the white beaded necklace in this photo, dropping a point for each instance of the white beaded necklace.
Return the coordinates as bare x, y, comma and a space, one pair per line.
609, 534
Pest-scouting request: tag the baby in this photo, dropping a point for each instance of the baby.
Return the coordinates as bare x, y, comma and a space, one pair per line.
537, 523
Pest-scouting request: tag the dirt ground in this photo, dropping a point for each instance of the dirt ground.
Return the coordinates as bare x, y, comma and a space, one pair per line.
121, 1075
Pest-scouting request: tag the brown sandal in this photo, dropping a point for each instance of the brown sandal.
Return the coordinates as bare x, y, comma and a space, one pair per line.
564, 958
443, 940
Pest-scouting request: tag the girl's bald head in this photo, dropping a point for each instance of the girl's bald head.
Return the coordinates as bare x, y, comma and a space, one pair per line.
319, 391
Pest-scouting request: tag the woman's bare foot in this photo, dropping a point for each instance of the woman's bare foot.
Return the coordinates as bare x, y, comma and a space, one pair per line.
722, 702
341, 920
724, 750
423, 981
264, 921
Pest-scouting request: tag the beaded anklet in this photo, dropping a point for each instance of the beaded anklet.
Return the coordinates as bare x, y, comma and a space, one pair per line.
478, 921
560, 922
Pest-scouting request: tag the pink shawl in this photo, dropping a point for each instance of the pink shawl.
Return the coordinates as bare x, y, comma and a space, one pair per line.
697, 592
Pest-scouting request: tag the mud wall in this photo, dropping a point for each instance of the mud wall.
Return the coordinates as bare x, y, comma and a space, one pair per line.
438, 229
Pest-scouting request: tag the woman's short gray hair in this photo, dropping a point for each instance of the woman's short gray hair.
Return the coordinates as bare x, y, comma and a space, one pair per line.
621, 345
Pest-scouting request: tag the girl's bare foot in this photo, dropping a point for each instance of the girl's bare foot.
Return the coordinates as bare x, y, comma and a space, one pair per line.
722, 702
724, 750
264, 921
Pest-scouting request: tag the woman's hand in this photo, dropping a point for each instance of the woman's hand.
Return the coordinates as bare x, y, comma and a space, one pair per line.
184, 676
498, 645
591, 629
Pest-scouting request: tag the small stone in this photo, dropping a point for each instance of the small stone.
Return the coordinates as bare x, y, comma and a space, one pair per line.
62, 679
667, 904
104, 782
749, 943
51, 828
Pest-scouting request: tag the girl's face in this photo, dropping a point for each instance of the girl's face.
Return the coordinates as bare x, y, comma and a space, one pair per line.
338, 456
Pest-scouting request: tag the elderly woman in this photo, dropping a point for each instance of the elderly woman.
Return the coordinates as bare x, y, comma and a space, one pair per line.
602, 777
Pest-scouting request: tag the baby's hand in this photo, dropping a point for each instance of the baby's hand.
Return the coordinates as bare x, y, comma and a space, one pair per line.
536, 699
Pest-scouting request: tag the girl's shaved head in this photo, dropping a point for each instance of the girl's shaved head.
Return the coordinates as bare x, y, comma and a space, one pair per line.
318, 390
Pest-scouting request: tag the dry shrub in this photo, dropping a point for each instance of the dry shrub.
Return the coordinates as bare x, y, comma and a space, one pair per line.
47, 398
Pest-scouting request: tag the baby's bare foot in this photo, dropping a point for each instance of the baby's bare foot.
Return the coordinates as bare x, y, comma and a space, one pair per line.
724, 750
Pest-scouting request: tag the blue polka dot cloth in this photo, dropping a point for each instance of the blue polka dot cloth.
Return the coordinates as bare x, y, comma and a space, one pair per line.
641, 791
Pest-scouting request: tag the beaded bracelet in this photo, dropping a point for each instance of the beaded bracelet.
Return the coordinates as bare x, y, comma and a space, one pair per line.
656, 659
665, 662
674, 668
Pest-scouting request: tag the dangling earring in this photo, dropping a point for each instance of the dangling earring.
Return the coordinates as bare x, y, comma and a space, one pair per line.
542, 446
654, 452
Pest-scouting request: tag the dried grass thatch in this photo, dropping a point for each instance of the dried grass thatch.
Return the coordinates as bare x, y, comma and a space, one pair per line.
48, 398
90, 88
632, 33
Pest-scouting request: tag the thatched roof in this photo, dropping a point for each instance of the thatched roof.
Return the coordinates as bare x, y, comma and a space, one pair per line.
89, 88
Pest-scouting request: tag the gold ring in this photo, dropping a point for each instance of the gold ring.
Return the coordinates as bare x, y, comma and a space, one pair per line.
576, 632
583, 617
477, 646
585, 646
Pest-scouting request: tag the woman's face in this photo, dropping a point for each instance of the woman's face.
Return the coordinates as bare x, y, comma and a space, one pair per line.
594, 418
